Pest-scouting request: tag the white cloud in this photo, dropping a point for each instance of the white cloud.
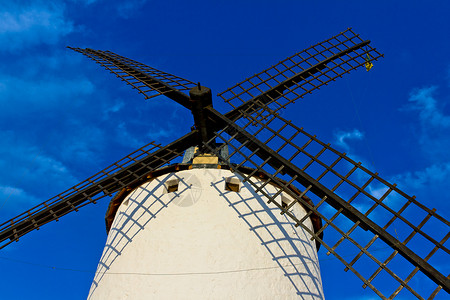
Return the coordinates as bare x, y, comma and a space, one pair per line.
13, 198
423, 101
41, 93
341, 137
432, 132
27, 168
436, 174
112, 108
24, 25
433, 128
378, 191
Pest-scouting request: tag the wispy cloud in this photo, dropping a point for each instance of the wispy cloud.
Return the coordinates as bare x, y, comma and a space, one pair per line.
343, 140
27, 166
425, 103
433, 128
432, 131
41, 93
15, 199
113, 108
342, 137
25, 24
434, 175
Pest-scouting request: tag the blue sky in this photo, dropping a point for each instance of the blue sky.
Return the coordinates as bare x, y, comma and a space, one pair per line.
62, 117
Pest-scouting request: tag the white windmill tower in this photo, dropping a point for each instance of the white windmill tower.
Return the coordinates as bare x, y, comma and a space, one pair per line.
200, 232
243, 214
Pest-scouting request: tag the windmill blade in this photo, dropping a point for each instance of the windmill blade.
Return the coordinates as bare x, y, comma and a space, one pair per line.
122, 174
367, 220
301, 73
147, 80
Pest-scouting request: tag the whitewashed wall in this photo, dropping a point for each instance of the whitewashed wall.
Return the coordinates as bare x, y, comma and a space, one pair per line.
203, 242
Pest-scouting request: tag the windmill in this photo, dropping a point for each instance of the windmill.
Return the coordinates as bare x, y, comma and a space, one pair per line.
310, 193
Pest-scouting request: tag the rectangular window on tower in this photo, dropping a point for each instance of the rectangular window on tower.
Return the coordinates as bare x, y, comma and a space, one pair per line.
232, 184
171, 185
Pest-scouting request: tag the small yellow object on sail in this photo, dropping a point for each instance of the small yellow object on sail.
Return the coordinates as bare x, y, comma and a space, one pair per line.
368, 63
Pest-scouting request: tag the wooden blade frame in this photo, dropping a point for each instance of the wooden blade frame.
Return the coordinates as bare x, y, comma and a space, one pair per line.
147, 80
351, 201
301, 73
119, 175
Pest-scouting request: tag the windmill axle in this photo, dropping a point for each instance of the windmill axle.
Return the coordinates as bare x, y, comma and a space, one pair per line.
200, 98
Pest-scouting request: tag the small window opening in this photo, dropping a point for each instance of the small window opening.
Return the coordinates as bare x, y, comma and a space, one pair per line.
285, 201
171, 185
232, 184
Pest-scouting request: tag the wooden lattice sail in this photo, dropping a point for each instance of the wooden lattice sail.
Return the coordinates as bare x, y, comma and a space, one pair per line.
251, 155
